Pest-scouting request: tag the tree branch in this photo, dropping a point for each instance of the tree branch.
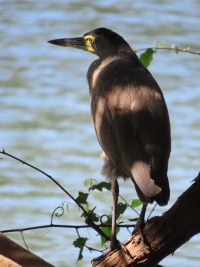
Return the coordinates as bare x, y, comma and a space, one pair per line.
18, 255
163, 234
176, 49
87, 215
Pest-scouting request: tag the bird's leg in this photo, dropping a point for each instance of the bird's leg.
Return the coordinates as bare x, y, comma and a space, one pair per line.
115, 193
114, 243
140, 222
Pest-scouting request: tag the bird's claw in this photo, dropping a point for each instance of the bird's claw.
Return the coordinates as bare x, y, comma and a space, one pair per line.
112, 247
139, 228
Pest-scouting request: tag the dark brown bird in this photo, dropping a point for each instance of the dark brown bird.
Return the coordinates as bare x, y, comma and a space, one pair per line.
130, 118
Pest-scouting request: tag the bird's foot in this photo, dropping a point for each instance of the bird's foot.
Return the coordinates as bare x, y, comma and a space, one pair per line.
112, 247
139, 228
115, 244
140, 224
106, 252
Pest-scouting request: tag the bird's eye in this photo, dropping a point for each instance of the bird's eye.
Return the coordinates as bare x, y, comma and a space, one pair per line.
89, 40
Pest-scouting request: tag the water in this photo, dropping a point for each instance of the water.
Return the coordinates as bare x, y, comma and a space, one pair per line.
45, 120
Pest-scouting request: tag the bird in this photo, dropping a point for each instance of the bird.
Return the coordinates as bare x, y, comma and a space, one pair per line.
130, 118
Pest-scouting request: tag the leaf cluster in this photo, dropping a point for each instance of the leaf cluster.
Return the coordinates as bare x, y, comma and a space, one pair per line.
103, 221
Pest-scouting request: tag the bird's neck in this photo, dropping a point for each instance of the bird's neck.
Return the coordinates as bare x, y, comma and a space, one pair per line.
122, 52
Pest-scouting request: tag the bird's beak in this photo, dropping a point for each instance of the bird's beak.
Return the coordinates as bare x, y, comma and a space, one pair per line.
78, 42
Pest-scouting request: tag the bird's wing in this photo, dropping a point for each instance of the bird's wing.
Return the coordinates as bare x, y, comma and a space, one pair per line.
151, 126
131, 123
140, 133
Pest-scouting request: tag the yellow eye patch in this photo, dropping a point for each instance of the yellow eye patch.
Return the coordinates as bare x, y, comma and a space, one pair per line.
89, 39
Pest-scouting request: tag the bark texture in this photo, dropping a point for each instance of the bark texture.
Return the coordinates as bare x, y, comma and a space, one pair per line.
13, 255
163, 234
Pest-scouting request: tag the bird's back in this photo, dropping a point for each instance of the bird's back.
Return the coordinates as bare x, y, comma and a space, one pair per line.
131, 123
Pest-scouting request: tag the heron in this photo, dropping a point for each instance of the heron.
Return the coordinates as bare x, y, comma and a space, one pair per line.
130, 118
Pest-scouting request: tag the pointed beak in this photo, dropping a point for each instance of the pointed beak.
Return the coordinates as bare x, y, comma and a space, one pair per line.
77, 42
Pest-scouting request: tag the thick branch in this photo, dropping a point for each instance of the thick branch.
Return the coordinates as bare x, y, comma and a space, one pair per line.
163, 234
18, 256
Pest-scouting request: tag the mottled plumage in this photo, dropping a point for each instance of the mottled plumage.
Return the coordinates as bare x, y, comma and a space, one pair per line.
130, 118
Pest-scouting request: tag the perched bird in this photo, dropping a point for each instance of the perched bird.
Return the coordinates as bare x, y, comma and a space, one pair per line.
130, 118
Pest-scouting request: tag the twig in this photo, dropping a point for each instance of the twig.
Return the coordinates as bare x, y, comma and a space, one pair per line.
175, 49
49, 176
61, 226
151, 211
24, 240
89, 248
129, 205
56, 213
43, 226
92, 224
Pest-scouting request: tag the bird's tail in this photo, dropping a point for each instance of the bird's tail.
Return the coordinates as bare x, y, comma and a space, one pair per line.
140, 171
163, 197
150, 188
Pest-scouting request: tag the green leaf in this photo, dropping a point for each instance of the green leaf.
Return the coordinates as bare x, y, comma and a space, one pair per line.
101, 186
82, 198
87, 206
80, 243
107, 230
147, 57
133, 220
93, 216
161, 43
121, 207
89, 182
135, 203
67, 208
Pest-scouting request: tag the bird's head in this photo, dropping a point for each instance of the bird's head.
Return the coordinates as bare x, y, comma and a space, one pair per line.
101, 42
